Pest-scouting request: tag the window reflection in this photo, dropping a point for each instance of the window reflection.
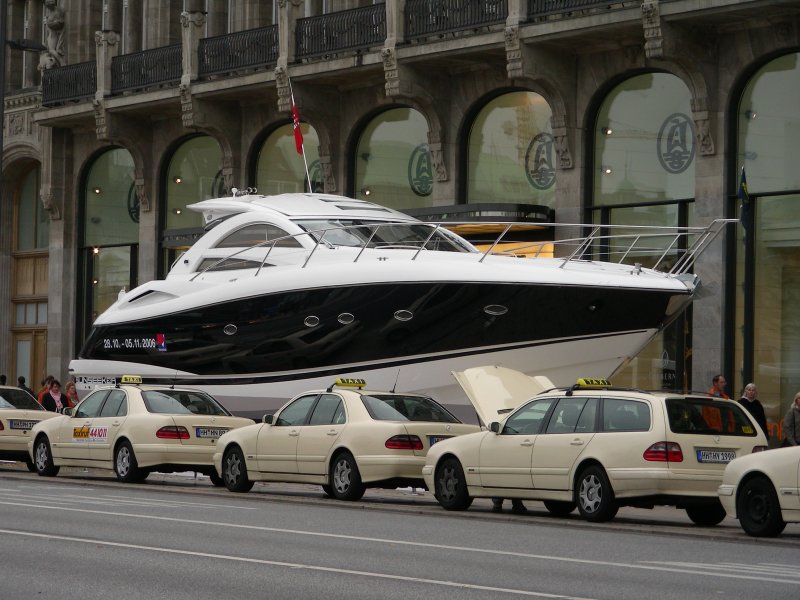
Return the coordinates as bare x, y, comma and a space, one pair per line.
280, 169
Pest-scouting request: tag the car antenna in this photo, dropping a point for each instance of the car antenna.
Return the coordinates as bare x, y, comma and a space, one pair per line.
174, 379
394, 387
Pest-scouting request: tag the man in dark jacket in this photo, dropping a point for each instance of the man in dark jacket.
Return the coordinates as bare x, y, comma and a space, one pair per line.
753, 406
21, 385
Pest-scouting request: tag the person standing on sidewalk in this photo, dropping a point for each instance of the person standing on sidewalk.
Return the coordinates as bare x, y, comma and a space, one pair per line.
791, 424
752, 405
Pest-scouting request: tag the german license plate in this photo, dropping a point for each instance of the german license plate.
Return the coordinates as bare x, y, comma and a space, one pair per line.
18, 424
715, 456
437, 438
209, 432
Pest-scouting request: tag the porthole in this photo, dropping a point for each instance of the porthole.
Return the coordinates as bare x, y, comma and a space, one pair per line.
230, 329
346, 318
311, 321
495, 309
403, 315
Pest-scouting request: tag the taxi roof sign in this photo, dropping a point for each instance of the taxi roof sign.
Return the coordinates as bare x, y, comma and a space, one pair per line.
585, 382
349, 382
131, 379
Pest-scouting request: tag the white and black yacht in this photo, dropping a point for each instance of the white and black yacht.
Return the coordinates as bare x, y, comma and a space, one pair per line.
284, 293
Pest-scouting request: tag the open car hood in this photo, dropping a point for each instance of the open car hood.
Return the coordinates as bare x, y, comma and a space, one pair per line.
496, 391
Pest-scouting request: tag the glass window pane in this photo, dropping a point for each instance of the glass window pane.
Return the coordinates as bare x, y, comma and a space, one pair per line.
297, 412
41, 317
280, 169
30, 314
326, 409
20, 312
625, 415
565, 416
194, 174
645, 142
769, 127
23, 359
511, 152
528, 420
112, 272
111, 205
393, 164
27, 238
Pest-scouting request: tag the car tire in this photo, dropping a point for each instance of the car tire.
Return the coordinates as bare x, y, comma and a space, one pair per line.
125, 465
450, 485
758, 508
345, 478
43, 458
328, 490
558, 508
706, 515
216, 480
594, 495
234, 471
31, 466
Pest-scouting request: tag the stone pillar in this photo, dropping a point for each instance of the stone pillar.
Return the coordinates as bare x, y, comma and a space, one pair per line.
112, 15
289, 11
107, 48
517, 12
193, 24
32, 31
395, 22
216, 19
157, 14
132, 26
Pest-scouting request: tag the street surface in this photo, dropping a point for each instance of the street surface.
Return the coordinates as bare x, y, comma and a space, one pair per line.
83, 535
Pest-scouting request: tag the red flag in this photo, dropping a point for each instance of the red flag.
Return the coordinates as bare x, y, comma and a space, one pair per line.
298, 134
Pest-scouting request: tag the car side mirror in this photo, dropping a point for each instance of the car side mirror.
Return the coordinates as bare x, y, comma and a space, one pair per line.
268, 419
494, 427
68, 411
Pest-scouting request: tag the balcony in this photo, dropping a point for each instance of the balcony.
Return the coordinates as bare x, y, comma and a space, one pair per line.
430, 17
355, 29
538, 9
70, 83
236, 51
146, 69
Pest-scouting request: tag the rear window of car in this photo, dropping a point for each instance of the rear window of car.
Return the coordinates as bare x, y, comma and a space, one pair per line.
18, 399
708, 416
625, 415
394, 407
179, 402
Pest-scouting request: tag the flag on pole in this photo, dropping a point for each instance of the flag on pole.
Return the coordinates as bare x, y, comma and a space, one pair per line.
298, 134
744, 199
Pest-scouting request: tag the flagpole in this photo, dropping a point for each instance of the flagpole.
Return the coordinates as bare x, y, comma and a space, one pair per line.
297, 124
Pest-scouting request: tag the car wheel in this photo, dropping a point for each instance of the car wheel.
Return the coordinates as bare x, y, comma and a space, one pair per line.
345, 479
594, 495
125, 465
558, 508
234, 471
706, 515
30, 464
758, 508
450, 486
216, 480
328, 490
43, 458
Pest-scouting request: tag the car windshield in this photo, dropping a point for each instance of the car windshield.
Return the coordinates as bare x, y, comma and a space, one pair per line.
397, 407
181, 402
708, 416
11, 398
356, 233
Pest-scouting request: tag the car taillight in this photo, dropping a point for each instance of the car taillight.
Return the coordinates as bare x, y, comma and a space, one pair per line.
760, 448
664, 452
404, 442
1, 426
171, 432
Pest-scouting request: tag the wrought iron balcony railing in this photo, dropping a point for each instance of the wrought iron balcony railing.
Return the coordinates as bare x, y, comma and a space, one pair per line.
241, 50
544, 8
71, 82
147, 68
353, 29
427, 17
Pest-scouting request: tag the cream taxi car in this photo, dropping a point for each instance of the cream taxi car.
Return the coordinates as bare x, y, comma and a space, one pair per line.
593, 446
19, 412
763, 491
344, 438
134, 429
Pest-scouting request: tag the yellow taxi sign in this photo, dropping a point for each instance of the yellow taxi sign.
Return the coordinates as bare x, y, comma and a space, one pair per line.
131, 379
586, 382
349, 382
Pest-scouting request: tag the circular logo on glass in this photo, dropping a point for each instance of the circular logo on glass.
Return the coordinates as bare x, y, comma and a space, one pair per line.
133, 204
676, 143
420, 171
539, 162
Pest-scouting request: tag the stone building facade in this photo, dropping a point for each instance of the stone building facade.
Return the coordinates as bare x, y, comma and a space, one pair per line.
632, 112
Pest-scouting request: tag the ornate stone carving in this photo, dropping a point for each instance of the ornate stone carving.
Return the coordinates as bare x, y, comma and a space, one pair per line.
141, 194
705, 141
561, 147
651, 22
328, 180
391, 71
106, 38
437, 161
514, 66
187, 105
50, 204
54, 22
102, 122
198, 19
284, 3
282, 87
16, 124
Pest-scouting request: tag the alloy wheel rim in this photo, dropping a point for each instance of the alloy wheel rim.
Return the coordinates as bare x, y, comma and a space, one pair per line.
341, 476
123, 462
41, 456
758, 508
591, 493
449, 482
233, 471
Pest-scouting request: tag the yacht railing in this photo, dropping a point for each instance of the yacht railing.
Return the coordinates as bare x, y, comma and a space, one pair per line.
685, 244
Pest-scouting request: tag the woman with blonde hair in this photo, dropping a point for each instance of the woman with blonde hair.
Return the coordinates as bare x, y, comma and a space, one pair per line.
751, 404
791, 424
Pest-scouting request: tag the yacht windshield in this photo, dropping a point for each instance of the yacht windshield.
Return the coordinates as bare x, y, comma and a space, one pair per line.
356, 233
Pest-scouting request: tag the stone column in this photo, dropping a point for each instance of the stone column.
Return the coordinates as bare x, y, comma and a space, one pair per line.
33, 31
107, 48
217, 18
289, 11
160, 15
193, 23
395, 22
132, 25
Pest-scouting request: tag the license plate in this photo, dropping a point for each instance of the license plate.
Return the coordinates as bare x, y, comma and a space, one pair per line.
209, 432
715, 456
17, 424
437, 438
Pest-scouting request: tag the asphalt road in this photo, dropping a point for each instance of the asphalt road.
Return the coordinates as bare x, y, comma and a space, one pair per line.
86, 536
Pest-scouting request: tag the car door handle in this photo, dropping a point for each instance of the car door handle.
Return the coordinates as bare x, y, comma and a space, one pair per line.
526, 443
576, 442
333, 432
294, 433
115, 423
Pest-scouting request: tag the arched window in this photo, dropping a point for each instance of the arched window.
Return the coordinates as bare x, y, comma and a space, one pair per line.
109, 226
511, 154
280, 168
194, 173
643, 174
767, 332
393, 165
